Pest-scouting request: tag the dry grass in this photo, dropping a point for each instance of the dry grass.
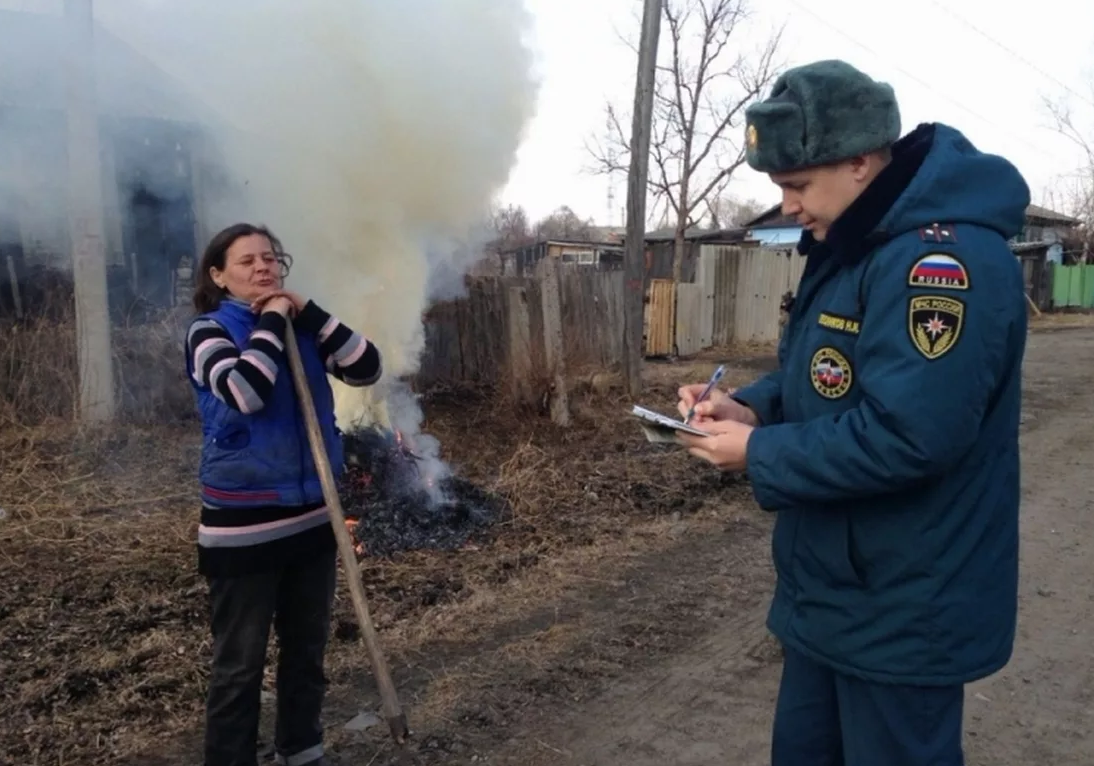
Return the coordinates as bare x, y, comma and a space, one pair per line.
39, 372
96, 618
103, 638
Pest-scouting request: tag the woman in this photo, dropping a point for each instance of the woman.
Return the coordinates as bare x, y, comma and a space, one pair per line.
265, 544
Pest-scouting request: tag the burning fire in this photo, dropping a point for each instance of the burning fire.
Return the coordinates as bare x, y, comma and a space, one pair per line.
365, 479
386, 470
351, 527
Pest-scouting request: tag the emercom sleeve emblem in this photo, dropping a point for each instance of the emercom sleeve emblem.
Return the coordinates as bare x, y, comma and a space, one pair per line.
935, 323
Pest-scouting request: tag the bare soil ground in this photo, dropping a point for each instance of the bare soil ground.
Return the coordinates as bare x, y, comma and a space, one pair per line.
712, 703
617, 618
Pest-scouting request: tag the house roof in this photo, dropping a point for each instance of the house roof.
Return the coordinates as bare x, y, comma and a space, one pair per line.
609, 233
608, 247
667, 233
1044, 214
772, 218
697, 234
1019, 248
32, 72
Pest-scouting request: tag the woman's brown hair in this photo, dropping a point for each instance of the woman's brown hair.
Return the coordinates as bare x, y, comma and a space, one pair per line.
207, 294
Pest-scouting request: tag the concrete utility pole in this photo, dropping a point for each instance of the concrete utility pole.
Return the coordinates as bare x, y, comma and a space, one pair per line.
85, 208
634, 256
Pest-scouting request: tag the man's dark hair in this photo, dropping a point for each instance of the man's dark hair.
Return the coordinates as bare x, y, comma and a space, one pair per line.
207, 294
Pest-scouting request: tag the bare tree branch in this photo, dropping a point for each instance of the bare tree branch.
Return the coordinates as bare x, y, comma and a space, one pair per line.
725, 211
706, 78
1080, 196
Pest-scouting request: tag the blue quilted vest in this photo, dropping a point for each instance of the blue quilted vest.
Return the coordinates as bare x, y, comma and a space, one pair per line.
264, 458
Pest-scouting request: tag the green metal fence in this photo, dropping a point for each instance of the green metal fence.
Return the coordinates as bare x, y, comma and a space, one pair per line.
1073, 286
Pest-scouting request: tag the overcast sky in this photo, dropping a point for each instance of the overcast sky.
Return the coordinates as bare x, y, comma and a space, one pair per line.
982, 66
979, 65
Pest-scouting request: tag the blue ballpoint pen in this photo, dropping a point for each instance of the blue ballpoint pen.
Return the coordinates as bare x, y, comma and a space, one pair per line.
706, 391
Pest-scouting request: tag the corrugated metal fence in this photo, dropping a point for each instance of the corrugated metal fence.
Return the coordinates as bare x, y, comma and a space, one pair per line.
735, 299
1073, 286
742, 290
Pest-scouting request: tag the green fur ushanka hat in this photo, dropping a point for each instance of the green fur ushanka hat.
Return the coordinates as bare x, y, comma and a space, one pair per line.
818, 114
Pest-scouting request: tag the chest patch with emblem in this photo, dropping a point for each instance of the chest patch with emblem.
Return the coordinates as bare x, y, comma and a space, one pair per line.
935, 323
939, 270
830, 373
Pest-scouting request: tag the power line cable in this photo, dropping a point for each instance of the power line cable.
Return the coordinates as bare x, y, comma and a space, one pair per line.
933, 89
1007, 49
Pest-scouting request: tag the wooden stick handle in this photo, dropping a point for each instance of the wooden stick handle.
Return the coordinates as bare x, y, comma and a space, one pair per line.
392, 710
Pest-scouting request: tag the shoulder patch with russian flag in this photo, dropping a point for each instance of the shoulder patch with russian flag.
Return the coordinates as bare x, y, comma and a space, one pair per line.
939, 270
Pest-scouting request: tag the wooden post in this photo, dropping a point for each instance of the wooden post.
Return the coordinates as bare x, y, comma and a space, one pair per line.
634, 255
16, 296
86, 218
552, 337
520, 344
393, 711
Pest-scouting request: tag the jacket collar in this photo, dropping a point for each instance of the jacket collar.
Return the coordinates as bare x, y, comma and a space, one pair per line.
235, 305
856, 232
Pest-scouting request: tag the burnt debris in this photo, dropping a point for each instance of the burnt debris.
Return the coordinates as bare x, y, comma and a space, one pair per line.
398, 500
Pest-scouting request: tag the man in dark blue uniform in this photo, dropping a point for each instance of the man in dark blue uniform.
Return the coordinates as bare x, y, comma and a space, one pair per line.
887, 441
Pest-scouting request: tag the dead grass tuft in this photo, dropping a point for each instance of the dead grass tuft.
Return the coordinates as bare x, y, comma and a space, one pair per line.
527, 478
40, 379
103, 636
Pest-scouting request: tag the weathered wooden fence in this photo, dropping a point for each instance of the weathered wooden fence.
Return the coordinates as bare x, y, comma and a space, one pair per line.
1037, 274
735, 299
659, 319
497, 330
466, 340
592, 315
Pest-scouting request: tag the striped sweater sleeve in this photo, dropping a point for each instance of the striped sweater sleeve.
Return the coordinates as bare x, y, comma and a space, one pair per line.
242, 379
348, 356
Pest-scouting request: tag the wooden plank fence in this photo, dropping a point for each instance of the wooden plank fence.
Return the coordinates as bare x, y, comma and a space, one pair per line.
592, 316
689, 319
497, 330
660, 313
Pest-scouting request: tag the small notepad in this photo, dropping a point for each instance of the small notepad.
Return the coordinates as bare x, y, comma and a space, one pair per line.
661, 428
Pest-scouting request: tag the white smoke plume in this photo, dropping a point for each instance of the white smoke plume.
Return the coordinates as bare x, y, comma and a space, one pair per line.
370, 136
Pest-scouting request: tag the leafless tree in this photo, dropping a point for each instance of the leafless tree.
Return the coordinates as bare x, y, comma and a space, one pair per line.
1077, 192
510, 228
706, 78
726, 212
564, 223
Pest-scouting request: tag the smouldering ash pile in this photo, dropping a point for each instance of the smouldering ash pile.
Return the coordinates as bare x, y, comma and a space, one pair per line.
394, 503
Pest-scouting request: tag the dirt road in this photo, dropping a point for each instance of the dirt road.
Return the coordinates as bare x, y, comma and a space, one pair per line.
712, 704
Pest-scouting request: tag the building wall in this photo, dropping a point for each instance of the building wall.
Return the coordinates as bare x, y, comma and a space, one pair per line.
34, 189
150, 213
33, 177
